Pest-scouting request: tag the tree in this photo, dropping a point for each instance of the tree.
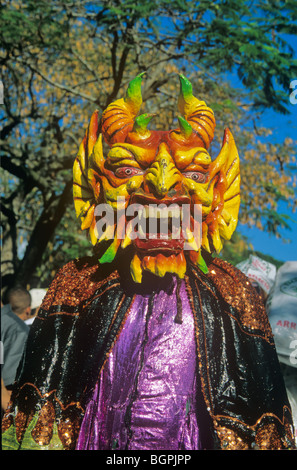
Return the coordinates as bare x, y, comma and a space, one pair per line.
62, 59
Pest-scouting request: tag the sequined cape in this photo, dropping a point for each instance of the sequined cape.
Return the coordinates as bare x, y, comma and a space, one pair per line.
246, 405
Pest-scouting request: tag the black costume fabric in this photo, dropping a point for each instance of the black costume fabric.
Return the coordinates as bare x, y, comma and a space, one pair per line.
246, 405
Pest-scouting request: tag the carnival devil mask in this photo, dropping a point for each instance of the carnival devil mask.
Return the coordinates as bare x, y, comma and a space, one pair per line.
156, 194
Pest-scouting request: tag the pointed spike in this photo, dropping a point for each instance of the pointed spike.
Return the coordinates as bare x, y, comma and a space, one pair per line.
186, 89
185, 127
141, 123
186, 98
202, 264
133, 94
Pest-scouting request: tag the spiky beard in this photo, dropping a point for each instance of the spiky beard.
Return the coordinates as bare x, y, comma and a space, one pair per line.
158, 265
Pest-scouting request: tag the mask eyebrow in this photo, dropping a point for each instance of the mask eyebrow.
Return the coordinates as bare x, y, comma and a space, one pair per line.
119, 152
194, 167
194, 158
143, 157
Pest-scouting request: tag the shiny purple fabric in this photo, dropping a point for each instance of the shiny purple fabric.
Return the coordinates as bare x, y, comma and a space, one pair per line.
145, 398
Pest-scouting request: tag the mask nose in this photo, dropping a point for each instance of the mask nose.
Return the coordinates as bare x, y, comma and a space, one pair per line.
163, 176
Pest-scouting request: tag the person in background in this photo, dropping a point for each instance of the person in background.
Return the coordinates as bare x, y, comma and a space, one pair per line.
37, 296
14, 333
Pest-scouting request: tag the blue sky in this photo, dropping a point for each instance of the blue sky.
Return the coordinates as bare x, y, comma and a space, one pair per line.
282, 127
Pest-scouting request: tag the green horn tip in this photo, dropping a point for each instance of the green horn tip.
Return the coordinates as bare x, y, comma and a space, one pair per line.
142, 121
133, 92
185, 127
186, 88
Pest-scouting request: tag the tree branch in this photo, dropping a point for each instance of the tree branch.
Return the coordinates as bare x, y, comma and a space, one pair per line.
42, 233
60, 86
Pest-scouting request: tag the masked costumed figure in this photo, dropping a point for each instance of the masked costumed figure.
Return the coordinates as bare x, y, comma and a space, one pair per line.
152, 343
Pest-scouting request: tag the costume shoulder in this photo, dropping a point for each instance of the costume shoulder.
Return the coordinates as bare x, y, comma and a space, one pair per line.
76, 282
237, 291
67, 345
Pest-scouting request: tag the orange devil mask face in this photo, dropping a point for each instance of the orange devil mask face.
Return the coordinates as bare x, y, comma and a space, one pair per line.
156, 194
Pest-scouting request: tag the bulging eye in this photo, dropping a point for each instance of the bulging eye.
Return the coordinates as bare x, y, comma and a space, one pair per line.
196, 176
127, 172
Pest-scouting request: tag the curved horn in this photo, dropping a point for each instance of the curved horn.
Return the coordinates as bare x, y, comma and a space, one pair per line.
185, 128
141, 123
196, 113
118, 118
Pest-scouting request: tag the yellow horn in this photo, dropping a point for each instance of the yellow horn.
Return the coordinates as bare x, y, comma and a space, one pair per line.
197, 114
118, 118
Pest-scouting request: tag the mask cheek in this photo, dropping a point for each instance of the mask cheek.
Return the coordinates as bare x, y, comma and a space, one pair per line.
199, 195
134, 184
111, 193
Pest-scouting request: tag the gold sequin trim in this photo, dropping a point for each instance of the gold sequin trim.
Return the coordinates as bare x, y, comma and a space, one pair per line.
7, 420
267, 435
43, 431
68, 430
230, 440
239, 293
267, 438
22, 421
75, 283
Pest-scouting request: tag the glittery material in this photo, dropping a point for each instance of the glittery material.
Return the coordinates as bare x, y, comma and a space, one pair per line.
141, 401
238, 292
230, 439
78, 329
75, 283
268, 438
43, 431
22, 420
264, 435
68, 428
7, 420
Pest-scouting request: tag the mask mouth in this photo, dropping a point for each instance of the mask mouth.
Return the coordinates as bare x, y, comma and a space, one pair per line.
146, 199
154, 246
161, 224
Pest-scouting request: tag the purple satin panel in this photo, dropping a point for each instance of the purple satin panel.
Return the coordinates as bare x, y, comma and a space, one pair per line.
146, 395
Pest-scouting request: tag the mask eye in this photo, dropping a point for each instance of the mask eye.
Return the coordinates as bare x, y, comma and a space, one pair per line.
196, 176
127, 172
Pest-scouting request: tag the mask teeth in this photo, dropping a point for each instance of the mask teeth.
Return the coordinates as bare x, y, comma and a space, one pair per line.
127, 240
160, 264
205, 241
191, 241
136, 269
